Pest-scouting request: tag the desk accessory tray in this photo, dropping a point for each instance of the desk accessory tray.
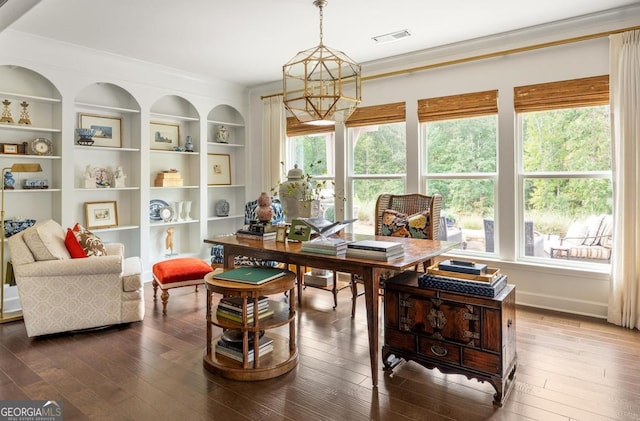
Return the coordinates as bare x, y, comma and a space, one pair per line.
485, 289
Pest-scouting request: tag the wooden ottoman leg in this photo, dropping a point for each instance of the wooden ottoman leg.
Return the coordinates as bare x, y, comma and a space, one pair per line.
155, 289
165, 300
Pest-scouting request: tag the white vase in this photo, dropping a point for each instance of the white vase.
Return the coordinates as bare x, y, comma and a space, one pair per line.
176, 215
179, 210
187, 210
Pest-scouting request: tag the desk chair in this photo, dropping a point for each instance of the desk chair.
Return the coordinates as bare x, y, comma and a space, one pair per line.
393, 214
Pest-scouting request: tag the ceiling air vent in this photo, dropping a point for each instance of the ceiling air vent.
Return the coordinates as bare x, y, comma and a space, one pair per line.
394, 36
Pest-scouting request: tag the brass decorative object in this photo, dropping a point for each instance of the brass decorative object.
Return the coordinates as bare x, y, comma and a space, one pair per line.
24, 114
321, 85
6, 112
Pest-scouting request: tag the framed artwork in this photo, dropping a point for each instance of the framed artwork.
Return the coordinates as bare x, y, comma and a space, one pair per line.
9, 148
299, 231
218, 169
281, 234
101, 214
108, 130
165, 136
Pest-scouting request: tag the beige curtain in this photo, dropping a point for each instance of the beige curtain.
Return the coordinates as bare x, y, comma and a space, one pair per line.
274, 127
624, 297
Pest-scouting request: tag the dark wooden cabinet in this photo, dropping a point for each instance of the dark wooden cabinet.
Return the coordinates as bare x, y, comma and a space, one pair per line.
454, 332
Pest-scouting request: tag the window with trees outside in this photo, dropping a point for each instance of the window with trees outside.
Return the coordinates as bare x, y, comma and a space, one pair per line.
377, 150
459, 135
312, 148
565, 171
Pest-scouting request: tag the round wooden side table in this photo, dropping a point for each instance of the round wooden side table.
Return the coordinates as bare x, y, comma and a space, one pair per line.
284, 356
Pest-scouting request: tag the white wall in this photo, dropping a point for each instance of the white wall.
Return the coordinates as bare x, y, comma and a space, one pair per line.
582, 292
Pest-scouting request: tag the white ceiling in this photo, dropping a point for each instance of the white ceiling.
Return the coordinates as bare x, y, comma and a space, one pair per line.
248, 41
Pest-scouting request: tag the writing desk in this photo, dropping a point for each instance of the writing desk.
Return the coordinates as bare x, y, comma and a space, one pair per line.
416, 251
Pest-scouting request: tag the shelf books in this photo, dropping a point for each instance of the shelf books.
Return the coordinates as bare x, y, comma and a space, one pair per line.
374, 249
233, 349
252, 235
234, 304
334, 246
251, 274
236, 316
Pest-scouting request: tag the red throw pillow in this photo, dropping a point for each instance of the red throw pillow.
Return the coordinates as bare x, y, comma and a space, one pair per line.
75, 249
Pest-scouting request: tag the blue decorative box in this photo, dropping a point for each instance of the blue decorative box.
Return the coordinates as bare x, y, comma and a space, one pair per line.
486, 289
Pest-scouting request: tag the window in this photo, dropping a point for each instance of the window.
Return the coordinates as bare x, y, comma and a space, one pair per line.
565, 170
377, 145
459, 135
312, 148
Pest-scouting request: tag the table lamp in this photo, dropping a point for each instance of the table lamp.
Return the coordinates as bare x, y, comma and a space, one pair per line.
15, 168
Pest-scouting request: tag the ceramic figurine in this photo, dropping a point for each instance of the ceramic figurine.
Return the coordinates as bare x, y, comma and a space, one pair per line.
168, 242
222, 136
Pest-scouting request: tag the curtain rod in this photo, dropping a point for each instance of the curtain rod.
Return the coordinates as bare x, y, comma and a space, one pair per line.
488, 55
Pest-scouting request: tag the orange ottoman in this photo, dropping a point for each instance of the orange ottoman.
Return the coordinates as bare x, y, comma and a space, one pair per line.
176, 273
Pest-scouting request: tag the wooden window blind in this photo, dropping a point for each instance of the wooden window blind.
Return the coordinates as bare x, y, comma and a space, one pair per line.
564, 94
474, 104
295, 128
377, 114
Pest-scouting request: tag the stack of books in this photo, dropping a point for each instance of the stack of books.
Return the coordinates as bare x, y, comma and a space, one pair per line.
231, 346
231, 308
253, 235
375, 250
334, 246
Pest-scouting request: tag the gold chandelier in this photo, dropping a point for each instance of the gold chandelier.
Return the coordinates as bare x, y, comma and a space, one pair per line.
321, 85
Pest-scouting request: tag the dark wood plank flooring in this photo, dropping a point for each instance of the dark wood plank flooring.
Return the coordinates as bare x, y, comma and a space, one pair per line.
570, 368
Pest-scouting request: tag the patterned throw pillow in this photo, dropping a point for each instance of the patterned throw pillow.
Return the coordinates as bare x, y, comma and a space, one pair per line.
398, 224
90, 243
75, 249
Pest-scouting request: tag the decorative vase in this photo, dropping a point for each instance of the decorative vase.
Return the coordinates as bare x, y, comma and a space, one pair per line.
187, 210
9, 182
189, 145
176, 215
179, 210
292, 192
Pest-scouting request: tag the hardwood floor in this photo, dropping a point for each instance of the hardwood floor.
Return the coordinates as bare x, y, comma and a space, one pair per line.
570, 368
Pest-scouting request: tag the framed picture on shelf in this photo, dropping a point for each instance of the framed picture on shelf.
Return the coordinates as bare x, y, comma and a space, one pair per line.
218, 169
165, 136
9, 148
108, 130
101, 214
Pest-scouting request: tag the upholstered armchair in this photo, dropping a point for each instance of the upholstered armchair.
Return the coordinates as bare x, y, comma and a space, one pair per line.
250, 214
59, 293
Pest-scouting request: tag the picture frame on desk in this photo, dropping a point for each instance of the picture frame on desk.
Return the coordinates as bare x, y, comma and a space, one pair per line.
108, 130
299, 231
281, 234
101, 214
164, 136
218, 169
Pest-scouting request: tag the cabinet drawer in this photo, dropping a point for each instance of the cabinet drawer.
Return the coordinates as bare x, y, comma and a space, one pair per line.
400, 340
440, 350
479, 360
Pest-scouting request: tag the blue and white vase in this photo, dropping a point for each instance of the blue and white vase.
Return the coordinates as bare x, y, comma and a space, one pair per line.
9, 181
